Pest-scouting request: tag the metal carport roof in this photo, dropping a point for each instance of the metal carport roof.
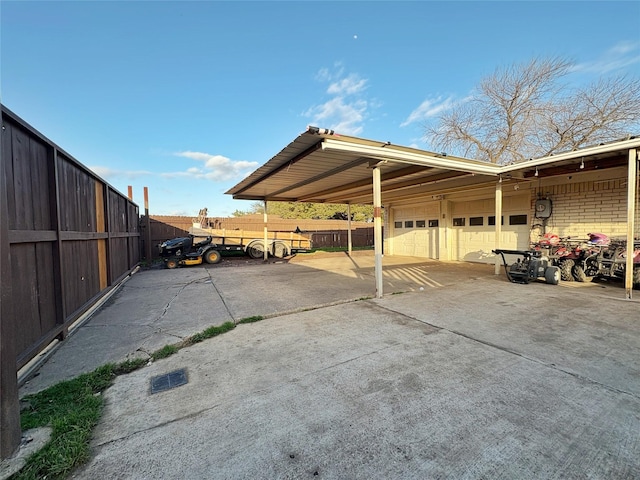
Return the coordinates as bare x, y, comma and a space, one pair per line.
321, 166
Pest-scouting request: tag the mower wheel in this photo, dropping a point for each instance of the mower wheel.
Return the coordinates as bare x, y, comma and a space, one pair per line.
212, 256
580, 275
172, 263
566, 267
552, 275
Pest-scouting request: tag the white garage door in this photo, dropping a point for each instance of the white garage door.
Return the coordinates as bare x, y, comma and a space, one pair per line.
473, 228
415, 231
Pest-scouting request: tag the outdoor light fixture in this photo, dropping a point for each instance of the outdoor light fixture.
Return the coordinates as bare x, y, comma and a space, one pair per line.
516, 186
582, 164
536, 174
500, 180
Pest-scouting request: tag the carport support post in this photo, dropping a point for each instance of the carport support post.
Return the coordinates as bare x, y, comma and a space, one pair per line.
631, 216
377, 229
498, 221
266, 252
349, 228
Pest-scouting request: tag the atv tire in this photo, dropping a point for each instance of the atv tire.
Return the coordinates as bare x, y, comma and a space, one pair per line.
636, 278
212, 256
580, 275
566, 268
552, 275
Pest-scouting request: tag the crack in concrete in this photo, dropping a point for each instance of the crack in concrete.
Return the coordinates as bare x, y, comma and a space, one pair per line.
213, 284
168, 305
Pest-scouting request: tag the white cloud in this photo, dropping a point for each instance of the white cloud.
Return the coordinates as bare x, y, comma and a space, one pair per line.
350, 85
214, 167
431, 107
346, 109
618, 57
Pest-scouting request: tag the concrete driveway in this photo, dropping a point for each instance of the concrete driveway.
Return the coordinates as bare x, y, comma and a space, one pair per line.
463, 375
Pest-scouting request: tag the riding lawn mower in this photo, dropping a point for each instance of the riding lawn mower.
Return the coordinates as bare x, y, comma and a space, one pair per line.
183, 251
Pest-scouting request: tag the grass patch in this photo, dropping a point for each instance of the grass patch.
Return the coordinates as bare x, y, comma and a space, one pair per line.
73, 408
253, 319
129, 366
209, 333
164, 352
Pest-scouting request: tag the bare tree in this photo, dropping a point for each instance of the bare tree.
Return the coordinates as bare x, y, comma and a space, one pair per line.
525, 111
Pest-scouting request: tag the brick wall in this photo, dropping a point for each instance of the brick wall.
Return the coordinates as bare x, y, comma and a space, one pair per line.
584, 207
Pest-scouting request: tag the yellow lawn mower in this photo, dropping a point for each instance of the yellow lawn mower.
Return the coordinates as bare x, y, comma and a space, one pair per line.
183, 251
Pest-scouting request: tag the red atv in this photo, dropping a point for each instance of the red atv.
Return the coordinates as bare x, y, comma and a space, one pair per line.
605, 258
561, 251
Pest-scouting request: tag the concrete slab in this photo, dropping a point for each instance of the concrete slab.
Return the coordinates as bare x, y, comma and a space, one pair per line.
158, 307
355, 391
152, 309
572, 329
464, 375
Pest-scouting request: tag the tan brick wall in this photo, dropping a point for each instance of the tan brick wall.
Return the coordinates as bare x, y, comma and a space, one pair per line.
579, 208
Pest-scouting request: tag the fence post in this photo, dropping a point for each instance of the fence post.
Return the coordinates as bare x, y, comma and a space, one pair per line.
10, 432
147, 240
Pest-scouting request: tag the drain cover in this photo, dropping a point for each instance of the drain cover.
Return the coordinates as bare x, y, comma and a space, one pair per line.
169, 380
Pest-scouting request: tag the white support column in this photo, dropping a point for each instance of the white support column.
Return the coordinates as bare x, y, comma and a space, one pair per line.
631, 216
444, 231
498, 222
349, 227
377, 229
266, 248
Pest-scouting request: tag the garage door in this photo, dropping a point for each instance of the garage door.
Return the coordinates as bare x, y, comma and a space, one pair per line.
415, 231
473, 228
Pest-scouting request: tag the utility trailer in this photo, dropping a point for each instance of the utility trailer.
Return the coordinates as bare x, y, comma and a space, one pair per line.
255, 248
188, 251
279, 244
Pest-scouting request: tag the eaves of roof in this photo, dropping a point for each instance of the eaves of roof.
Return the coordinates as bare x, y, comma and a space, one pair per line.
320, 166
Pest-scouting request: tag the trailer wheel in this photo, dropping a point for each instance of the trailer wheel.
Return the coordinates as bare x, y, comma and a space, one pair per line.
552, 275
580, 275
212, 256
255, 249
280, 250
172, 263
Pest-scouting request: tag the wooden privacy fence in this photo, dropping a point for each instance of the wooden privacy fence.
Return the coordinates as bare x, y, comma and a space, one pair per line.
66, 239
322, 233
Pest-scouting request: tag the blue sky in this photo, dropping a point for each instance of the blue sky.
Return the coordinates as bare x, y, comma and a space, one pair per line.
187, 98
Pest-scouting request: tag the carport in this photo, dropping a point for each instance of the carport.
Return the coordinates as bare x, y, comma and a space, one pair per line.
324, 167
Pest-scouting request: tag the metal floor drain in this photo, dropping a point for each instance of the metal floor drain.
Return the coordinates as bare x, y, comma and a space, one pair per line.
169, 380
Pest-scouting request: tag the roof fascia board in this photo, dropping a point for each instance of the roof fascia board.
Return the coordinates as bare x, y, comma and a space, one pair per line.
585, 152
388, 153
